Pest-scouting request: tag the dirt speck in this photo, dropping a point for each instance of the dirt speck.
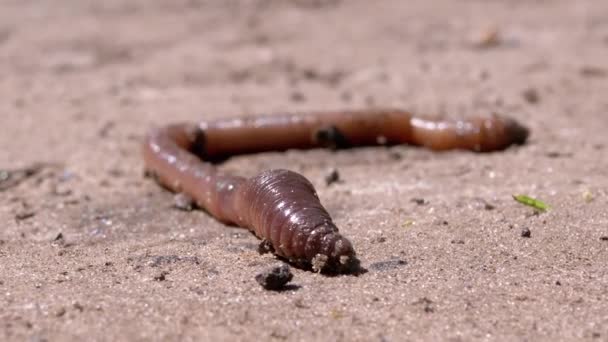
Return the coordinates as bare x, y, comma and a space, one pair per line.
419, 201
162, 276
59, 237
79, 307
593, 72
332, 176
60, 312
531, 95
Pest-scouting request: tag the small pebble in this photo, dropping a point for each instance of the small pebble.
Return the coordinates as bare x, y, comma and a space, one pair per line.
526, 233
275, 278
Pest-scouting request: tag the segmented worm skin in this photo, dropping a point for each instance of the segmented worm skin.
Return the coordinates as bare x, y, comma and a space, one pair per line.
281, 206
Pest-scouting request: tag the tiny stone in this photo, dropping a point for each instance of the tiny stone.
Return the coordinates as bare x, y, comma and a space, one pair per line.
526, 233
275, 277
558, 283
604, 238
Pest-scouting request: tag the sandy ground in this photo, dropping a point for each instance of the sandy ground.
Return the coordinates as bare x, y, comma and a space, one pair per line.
89, 249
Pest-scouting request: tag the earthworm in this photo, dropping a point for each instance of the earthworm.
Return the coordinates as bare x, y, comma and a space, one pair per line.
280, 206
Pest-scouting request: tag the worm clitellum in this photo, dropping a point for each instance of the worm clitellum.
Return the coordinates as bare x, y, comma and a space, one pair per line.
281, 206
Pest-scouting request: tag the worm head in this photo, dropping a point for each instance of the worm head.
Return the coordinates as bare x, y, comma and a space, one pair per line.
333, 253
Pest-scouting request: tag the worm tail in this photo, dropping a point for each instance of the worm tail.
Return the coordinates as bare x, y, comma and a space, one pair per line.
480, 134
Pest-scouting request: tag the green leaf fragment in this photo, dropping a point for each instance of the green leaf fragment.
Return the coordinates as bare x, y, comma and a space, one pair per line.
531, 202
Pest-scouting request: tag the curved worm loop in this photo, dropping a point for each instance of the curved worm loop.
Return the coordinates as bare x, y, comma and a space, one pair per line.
282, 206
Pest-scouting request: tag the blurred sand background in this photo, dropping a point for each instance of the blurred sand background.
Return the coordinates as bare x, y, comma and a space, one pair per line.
91, 250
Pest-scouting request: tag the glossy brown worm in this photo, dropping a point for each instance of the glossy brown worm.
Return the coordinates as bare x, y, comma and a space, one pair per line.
281, 206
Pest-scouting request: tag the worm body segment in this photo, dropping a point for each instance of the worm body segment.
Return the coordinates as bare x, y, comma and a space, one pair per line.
281, 206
